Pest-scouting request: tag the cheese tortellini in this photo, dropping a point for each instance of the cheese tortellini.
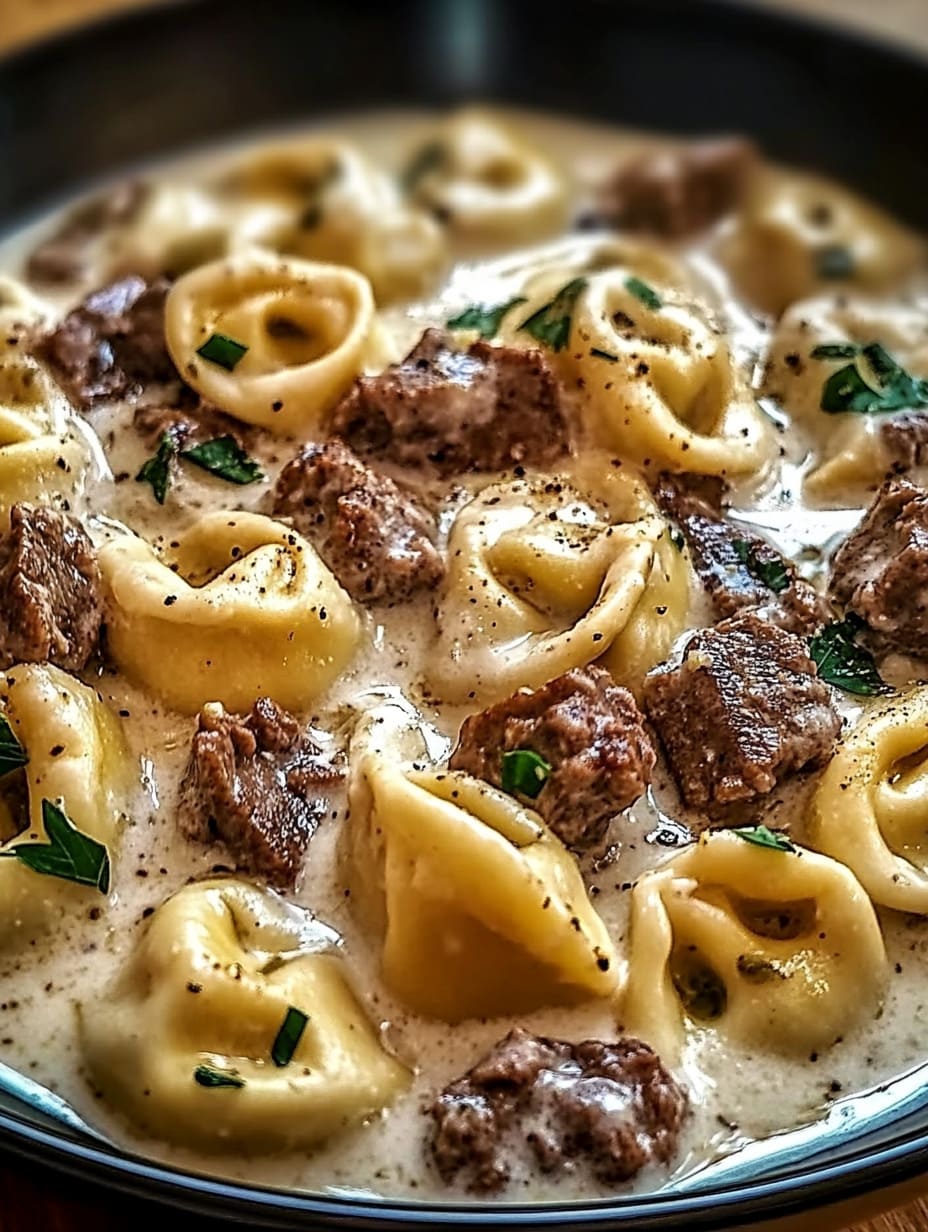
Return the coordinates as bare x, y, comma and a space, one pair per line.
76, 760
552, 571
184, 1042
306, 328
775, 949
870, 808
238, 607
482, 910
172, 229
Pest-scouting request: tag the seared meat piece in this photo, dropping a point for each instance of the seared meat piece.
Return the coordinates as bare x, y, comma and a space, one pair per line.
377, 541
587, 729
905, 439
483, 409
614, 1106
112, 344
191, 422
51, 602
257, 782
880, 572
740, 570
677, 192
62, 256
742, 711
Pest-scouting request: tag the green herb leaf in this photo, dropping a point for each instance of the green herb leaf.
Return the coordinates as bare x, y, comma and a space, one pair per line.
222, 350
289, 1036
641, 291
606, 355
68, 854
677, 539
430, 158
842, 662
224, 458
834, 261
209, 1076
524, 771
551, 324
760, 836
12, 754
771, 573
835, 350
484, 318
157, 470
873, 383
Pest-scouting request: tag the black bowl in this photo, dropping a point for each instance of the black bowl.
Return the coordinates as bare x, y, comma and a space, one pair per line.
162, 80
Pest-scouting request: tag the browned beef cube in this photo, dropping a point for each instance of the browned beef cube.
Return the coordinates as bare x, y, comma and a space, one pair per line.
483, 409
51, 601
905, 439
62, 256
612, 1107
880, 572
375, 538
257, 782
743, 710
112, 345
588, 730
739, 569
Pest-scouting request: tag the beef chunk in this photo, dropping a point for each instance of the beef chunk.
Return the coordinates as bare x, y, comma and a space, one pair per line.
880, 572
51, 603
483, 409
613, 1105
257, 782
62, 257
111, 345
905, 440
743, 710
377, 541
677, 192
588, 730
190, 422
740, 570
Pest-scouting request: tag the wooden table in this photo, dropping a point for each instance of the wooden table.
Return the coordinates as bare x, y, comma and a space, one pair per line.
35, 1200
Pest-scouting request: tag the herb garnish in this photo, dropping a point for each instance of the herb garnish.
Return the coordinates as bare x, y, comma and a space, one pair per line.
842, 662
484, 318
12, 754
678, 540
606, 355
209, 1076
641, 291
68, 854
222, 350
224, 458
874, 382
289, 1036
760, 836
835, 261
157, 470
551, 324
430, 158
835, 350
524, 771
772, 573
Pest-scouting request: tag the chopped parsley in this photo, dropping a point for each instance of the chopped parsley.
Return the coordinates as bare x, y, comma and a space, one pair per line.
551, 324
873, 383
606, 355
484, 318
430, 158
157, 470
224, 458
222, 350
645, 294
209, 1076
68, 854
834, 261
842, 662
835, 350
771, 573
760, 836
289, 1036
12, 754
524, 771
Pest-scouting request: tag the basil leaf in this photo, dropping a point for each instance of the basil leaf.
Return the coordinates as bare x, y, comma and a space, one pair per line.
524, 771
641, 291
842, 662
12, 754
289, 1036
835, 350
772, 573
550, 325
224, 458
209, 1076
157, 470
222, 350
430, 158
484, 318
760, 836
606, 355
874, 383
68, 854
834, 261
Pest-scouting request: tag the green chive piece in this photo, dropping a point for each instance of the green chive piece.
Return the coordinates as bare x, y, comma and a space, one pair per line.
486, 319
289, 1036
606, 355
835, 350
525, 772
209, 1076
157, 470
551, 324
771, 573
224, 458
760, 836
222, 350
641, 291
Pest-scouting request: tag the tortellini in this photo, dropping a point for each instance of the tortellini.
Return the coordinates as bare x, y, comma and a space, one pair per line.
238, 607
172, 229
797, 235
76, 760
306, 329
184, 1042
871, 805
551, 572
485, 183
777, 949
483, 911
